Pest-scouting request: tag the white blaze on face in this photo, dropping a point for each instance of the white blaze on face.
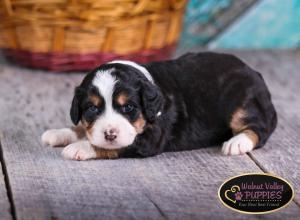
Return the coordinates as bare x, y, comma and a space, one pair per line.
110, 119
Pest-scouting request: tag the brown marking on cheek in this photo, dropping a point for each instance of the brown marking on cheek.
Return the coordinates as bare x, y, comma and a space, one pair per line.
252, 135
106, 154
237, 121
122, 98
88, 128
139, 124
89, 131
96, 100
79, 131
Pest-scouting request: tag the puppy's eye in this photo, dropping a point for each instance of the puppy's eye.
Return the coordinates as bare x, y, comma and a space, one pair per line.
127, 108
93, 109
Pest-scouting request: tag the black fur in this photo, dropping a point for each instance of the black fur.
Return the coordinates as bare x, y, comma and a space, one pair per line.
75, 109
197, 95
152, 100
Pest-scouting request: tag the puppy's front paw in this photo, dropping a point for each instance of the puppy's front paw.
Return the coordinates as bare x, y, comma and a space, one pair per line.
81, 150
239, 144
59, 137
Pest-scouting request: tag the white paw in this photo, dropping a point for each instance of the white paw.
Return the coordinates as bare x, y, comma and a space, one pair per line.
239, 144
81, 150
59, 137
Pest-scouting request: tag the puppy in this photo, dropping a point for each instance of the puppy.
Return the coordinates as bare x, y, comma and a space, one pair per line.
205, 99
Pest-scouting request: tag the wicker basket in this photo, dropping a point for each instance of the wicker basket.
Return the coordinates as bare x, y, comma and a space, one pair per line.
66, 35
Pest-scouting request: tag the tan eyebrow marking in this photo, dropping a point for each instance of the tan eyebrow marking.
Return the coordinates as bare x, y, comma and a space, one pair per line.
122, 98
96, 100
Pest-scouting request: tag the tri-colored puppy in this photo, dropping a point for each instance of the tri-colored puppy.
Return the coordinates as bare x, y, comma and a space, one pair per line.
198, 100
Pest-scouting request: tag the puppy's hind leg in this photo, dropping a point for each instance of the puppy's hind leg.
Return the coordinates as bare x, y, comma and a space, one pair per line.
251, 126
62, 137
241, 143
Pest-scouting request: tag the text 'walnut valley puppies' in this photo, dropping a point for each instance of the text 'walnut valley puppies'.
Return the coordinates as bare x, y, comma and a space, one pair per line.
124, 109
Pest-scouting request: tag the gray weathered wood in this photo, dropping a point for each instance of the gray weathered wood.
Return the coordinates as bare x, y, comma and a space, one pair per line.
173, 186
181, 185
5, 211
4, 203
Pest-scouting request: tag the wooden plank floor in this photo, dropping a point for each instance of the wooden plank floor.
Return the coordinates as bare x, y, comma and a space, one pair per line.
180, 185
5, 212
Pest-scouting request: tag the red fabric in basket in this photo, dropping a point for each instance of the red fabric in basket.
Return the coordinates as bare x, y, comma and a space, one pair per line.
62, 62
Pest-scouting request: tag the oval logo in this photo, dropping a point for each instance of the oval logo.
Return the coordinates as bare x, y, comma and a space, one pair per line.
256, 193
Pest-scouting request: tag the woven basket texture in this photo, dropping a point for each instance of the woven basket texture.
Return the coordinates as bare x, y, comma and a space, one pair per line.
59, 34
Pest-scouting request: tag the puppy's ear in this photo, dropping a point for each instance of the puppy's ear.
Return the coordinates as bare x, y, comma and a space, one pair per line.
153, 100
75, 111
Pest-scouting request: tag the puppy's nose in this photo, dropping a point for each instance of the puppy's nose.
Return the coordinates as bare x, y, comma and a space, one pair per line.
111, 134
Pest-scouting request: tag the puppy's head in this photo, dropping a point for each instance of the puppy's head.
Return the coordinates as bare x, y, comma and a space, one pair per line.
115, 103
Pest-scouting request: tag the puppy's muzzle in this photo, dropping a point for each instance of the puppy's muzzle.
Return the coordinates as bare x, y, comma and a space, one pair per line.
111, 134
